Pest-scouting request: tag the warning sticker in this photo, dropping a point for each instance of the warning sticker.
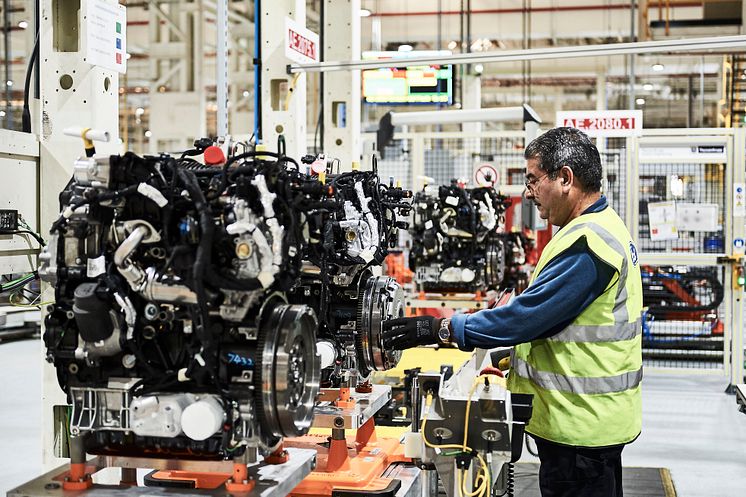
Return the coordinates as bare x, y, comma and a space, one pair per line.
485, 175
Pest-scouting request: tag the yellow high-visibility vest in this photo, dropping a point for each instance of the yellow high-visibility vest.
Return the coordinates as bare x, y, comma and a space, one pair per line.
586, 379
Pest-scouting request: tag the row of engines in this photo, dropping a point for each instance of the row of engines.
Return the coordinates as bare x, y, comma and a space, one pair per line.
189, 300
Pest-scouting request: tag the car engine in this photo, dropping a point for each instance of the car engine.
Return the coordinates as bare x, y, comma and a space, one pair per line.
341, 280
189, 298
457, 245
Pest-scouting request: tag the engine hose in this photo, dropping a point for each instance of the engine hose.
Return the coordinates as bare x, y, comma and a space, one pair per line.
203, 256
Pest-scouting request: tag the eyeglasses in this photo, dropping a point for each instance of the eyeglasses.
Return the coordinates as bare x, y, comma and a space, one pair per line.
532, 183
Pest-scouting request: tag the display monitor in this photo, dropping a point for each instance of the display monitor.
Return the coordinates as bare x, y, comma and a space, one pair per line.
415, 84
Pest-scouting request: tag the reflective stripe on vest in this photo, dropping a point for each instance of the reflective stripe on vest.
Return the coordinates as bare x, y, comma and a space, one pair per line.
576, 384
618, 332
620, 312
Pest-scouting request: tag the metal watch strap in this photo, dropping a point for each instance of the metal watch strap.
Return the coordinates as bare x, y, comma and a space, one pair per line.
445, 335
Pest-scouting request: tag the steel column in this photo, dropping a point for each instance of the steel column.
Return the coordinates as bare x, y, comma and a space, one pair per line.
341, 90
282, 113
91, 101
221, 68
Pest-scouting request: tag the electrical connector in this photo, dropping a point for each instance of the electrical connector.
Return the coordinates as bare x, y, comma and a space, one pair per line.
8, 220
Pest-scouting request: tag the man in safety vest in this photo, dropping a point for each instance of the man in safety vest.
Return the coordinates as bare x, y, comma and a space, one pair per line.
576, 328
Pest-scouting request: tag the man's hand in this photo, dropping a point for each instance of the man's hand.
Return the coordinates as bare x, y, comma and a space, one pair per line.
405, 333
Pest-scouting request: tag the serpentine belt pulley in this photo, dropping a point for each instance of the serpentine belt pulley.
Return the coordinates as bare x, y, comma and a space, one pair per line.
382, 298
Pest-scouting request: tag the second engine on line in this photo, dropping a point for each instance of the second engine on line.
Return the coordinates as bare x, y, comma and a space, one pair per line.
189, 298
457, 243
350, 295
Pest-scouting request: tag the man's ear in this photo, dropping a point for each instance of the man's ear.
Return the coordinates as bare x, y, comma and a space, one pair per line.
566, 177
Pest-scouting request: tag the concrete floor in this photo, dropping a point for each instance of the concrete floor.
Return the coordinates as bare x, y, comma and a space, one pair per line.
689, 426
20, 412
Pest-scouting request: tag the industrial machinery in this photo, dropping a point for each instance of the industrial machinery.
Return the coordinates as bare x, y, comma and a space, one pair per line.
470, 427
456, 243
189, 299
681, 320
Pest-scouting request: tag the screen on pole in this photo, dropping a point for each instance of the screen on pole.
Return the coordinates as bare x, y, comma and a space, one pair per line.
416, 84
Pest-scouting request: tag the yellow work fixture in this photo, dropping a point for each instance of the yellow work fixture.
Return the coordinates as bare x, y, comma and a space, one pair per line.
427, 358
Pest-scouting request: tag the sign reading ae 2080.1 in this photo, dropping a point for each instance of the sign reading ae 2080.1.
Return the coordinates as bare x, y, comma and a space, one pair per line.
605, 123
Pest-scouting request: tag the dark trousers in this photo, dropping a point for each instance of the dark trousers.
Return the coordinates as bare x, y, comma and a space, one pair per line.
568, 471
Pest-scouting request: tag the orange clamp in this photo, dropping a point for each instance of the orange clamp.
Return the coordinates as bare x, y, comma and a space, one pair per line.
240, 481
280, 456
77, 479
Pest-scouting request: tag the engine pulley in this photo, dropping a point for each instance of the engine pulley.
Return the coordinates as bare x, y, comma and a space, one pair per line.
382, 298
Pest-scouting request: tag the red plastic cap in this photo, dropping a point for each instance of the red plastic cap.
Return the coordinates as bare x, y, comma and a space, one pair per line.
214, 156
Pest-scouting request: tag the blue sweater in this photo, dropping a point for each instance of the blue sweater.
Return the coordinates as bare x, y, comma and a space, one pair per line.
565, 287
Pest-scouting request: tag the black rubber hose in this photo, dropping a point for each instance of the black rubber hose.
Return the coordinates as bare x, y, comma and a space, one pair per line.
26, 116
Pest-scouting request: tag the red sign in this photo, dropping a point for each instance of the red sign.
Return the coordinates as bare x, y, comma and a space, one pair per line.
301, 44
605, 123
600, 123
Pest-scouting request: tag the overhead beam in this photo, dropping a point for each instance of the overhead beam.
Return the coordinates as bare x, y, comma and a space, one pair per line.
603, 50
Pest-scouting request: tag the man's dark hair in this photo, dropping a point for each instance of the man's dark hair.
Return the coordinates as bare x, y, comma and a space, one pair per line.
569, 147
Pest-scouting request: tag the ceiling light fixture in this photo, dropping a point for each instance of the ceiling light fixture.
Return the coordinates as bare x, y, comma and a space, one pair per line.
647, 87
23, 24
657, 67
640, 101
405, 48
148, 134
364, 13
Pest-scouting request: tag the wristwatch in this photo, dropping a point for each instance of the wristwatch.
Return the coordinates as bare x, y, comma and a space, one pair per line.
444, 332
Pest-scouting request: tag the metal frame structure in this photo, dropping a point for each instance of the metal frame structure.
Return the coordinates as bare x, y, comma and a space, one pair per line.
283, 97
735, 172
272, 480
341, 97
91, 102
19, 159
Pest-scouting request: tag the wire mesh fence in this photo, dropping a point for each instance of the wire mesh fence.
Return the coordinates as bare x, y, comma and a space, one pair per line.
398, 163
684, 318
682, 208
614, 161
447, 159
